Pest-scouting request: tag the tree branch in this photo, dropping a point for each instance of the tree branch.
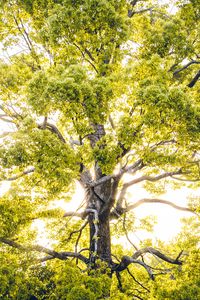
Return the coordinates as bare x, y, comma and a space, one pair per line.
31, 170
145, 200
186, 66
194, 80
53, 129
81, 215
51, 253
132, 168
127, 260
129, 272
131, 13
159, 254
140, 179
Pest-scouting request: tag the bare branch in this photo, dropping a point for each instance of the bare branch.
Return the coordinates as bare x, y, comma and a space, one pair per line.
150, 178
145, 200
129, 272
15, 177
159, 254
126, 233
140, 179
51, 253
76, 231
127, 260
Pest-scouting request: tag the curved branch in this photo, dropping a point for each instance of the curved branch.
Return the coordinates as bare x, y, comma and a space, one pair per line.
51, 253
150, 178
138, 165
140, 179
146, 200
53, 129
159, 254
127, 260
186, 66
77, 231
31, 170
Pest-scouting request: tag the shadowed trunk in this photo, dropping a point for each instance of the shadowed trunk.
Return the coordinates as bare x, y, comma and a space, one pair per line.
104, 244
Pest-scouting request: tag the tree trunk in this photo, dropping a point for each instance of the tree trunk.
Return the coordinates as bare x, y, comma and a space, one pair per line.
98, 201
104, 241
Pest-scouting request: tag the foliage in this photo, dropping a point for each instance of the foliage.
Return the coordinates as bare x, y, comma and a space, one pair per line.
103, 94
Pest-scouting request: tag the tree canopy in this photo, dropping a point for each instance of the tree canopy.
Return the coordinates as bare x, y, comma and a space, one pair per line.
92, 93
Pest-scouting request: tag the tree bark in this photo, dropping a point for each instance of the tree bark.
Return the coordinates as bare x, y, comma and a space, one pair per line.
104, 241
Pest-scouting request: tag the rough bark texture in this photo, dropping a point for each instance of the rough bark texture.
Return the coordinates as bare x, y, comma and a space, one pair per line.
104, 242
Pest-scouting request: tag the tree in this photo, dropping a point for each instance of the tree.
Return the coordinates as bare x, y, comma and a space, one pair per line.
94, 90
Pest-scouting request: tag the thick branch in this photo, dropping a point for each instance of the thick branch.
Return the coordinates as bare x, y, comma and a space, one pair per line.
75, 214
194, 80
127, 260
159, 254
133, 168
186, 66
53, 129
51, 253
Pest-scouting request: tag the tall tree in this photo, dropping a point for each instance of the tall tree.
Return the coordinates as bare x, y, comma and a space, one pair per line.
94, 90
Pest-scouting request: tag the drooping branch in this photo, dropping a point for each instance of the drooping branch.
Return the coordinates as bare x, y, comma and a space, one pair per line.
17, 176
126, 233
51, 253
139, 283
53, 129
77, 231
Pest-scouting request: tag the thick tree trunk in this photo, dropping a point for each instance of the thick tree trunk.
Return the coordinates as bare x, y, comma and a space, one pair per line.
102, 244
104, 241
